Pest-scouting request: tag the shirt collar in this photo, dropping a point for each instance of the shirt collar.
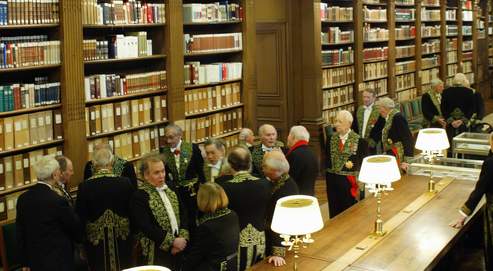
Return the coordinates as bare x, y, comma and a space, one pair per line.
177, 146
216, 165
265, 148
345, 136
368, 107
162, 188
45, 183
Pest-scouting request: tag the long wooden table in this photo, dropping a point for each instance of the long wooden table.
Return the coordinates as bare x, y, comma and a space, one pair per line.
419, 234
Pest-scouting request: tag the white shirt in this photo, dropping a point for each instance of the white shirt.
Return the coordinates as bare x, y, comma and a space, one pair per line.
344, 137
169, 209
177, 156
366, 117
266, 149
215, 169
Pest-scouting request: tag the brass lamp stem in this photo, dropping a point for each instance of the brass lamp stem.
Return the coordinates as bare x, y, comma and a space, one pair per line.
379, 222
431, 183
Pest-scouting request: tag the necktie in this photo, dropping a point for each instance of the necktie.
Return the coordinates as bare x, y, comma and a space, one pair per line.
341, 145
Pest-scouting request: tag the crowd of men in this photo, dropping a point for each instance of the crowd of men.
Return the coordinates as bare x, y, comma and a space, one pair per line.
208, 209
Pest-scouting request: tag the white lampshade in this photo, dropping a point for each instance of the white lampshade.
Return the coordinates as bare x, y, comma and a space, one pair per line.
148, 268
379, 169
432, 139
297, 215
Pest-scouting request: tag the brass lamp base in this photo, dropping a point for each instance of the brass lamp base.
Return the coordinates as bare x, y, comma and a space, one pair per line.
431, 186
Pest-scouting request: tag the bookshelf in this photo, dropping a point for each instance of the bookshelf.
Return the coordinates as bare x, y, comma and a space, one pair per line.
429, 57
406, 35
490, 35
31, 122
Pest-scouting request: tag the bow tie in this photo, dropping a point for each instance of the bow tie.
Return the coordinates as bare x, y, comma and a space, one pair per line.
176, 152
162, 188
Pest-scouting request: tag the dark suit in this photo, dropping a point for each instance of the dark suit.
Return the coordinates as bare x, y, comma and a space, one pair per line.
258, 155
458, 103
46, 228
303, 168
248, 197
396, 137
374, 126
215, 244
430, 106
282, 188
103, 206
146, 203
340, 179
120, 168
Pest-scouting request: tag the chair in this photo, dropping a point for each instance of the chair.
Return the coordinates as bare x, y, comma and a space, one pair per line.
9, 251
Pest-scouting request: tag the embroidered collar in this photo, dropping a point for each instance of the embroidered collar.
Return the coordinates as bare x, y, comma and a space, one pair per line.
372, 120
386, 128
186, 150
177, 147
298, 144
102, 173
45, 183
280, 183
210, 216
338, 157
242, 176
434, 98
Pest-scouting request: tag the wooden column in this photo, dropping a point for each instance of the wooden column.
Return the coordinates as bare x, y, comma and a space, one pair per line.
443, 41
249, 71
72, 81
174, 61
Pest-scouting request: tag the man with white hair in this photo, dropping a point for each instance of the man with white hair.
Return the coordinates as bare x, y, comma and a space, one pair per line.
268, 139
367, 122
103, 206
46, 225
302, 161
276, 168
246, 137
458, 105
431, 105
396, 136
345, 152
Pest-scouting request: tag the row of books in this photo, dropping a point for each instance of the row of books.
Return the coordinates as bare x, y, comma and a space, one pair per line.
470, 77
30, 129
202, 100
109, 85
405, 81
452, 69
452, 44
337, 97
467, 45
451, 15
429, 62
430, 3
112, 117
467, 30
14, 54
375, 53
374, 14
24, 96
452, 57
210, 43
404, 51
330, 115
212, 12
467, 55
405, 14
405, 67
467, 15
380, 86
20, 12
335, 13
231, 141
405, 32
17, 171
215, 125
430, 31
197, 73
132, 145
428, 75
404, 2
335, 35
451, 30
430, 14
430, 46
466, 4
338, 57
407, 94
374, 70
117, 12
337, 76
467, 67
375, 34
118, 46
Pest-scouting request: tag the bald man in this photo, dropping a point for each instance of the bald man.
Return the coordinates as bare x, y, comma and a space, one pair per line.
268, 140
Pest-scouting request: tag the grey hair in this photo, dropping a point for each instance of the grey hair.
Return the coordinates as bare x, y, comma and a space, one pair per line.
386, 102
436, 82
218, 143
262, 128
103, 146
244, 133
345, 115
278, 163
299, 133
102, 158
45, 167
177, 129
460, 79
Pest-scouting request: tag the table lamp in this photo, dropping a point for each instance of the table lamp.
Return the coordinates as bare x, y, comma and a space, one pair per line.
148, 268
378, 172
432, 141
295, 219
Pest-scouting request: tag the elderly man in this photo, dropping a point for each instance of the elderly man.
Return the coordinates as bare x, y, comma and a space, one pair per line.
120, 166
158, 216
214, 154
345, 152
276, 169
396, 136
368, 122
103, 206
184, 168
67, 171
46, 225
248, 197
302, 161
246, 137
431, 105
268, 139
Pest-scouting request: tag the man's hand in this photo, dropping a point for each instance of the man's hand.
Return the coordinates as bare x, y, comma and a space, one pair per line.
180, 243
459, 223
442, 122
26, 269
456, 123
175, 251
404, 166
277, 260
